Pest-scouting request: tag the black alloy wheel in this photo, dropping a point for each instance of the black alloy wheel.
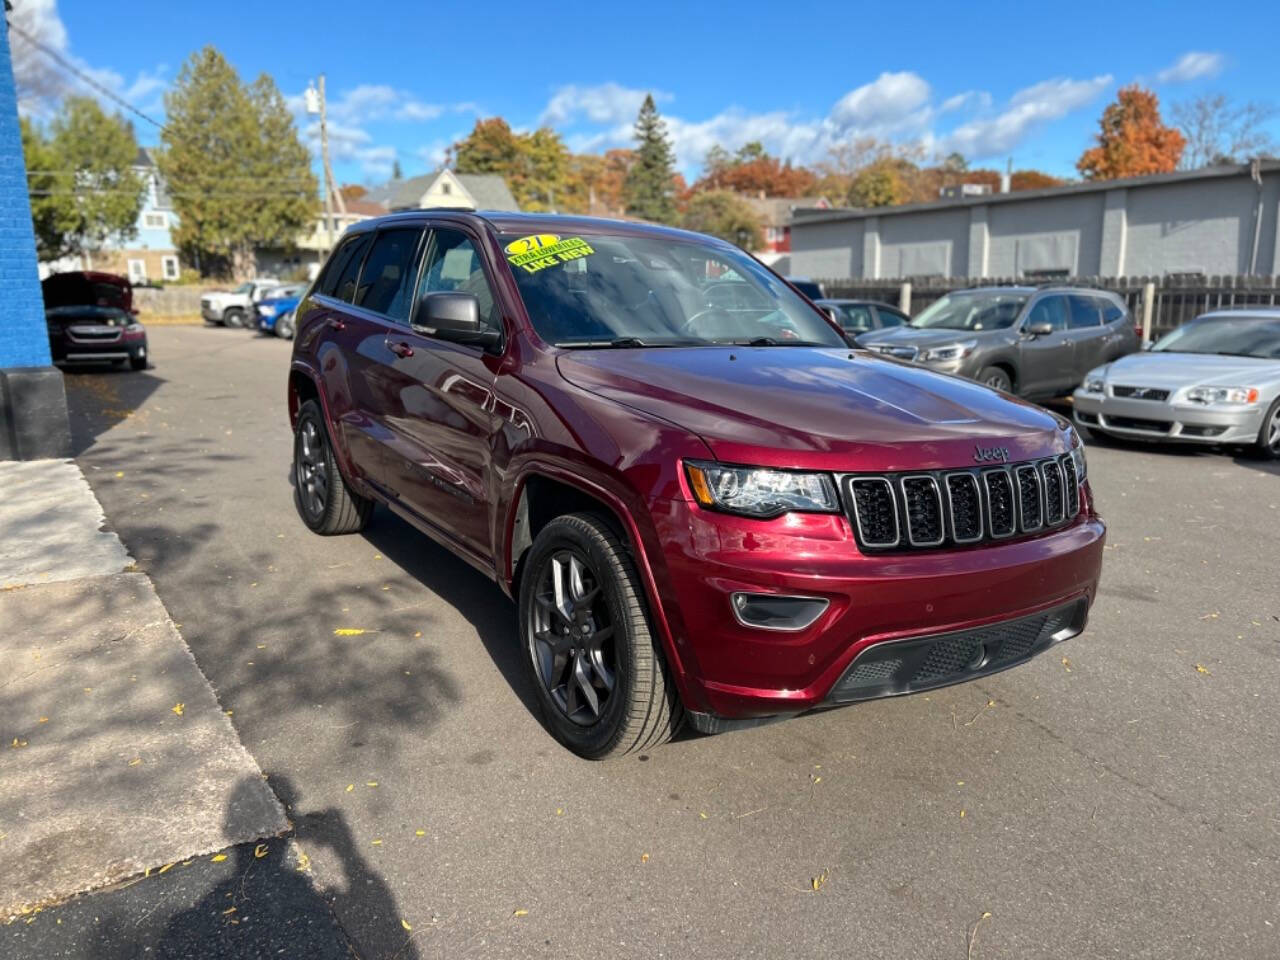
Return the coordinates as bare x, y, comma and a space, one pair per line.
571, 638
599, 672
324, 500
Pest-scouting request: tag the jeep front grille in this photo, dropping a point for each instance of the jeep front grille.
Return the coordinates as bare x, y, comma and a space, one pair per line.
902, 511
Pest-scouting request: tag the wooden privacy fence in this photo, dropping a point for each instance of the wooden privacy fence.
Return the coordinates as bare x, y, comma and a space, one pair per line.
1174, 300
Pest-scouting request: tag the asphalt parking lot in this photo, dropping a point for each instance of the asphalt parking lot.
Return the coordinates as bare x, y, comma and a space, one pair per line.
1116, 798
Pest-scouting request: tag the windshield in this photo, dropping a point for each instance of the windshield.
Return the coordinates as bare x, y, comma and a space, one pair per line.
972, 311
599, 291
244, 288
1236, 337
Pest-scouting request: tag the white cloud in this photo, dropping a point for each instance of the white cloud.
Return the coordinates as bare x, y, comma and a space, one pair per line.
1027, 110
605, 104
887, 103
896, 106
42, 82
1192, 66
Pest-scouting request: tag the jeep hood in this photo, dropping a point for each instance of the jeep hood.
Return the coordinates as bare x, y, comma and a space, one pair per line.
816, 408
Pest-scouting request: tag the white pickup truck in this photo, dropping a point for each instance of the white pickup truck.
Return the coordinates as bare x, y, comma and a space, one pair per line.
235, 308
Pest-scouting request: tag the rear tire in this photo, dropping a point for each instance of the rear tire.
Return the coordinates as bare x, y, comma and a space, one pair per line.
1267, 446
601, 678
233, 318
324, 501
996, 378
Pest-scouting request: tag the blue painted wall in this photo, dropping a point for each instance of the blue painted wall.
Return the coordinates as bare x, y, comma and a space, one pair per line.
24, 340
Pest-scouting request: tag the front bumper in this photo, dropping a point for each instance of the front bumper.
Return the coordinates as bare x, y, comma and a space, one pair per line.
211, 313
738, 672
70, 350
267, 324
1163, 420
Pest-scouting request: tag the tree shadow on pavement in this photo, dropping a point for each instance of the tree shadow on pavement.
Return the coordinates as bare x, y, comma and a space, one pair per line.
101, 397
479, 599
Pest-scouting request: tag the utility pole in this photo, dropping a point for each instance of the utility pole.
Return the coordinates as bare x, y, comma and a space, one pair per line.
315, 103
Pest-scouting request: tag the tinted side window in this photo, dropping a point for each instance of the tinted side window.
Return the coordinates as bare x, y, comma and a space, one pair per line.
1050, 310
1111, 312
388, 273
1084, 312
454, 264
344, 267
891, 318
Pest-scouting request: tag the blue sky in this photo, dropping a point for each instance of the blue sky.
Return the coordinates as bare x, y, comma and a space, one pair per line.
406, 79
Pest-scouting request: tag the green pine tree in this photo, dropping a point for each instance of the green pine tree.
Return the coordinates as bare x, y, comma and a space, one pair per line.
648, 190
239, 175
396, 172
84, 189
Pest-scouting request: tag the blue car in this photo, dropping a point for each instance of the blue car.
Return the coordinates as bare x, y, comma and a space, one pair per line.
275, 315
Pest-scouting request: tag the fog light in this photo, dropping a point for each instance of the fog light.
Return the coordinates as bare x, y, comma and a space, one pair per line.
770, 611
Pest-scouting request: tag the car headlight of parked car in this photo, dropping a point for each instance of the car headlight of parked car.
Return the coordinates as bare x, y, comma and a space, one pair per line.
946, 352
264, 311
763, 493
1223, 394
1094, 385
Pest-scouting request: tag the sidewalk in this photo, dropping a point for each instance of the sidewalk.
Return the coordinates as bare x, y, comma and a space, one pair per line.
115, 757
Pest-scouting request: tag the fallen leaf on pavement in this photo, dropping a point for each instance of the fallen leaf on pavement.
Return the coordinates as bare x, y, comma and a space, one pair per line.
166, 867
405, 924
644, 858
260, 851
178, 708
135, 761
521, 913
1201, 668
18, 743
371, 783
218, 858
350, 787
377, 843
349, 631
420, 833
1066, 663
818, 881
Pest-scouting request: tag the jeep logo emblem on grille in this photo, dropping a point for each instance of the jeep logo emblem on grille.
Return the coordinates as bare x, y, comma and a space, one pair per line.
987, 454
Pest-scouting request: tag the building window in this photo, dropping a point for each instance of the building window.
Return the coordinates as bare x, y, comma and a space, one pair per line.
446, 188
157, 221
137, 271
169, 264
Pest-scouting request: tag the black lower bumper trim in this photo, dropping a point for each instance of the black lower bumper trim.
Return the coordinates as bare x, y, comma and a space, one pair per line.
896, 667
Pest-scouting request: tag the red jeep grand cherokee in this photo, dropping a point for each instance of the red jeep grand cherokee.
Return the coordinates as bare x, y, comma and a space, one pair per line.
704, 502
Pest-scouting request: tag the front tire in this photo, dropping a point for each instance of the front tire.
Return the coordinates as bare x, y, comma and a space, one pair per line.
138, 363
1267, 446
284, 326
324, 501
997, 378
600, 675
233, 318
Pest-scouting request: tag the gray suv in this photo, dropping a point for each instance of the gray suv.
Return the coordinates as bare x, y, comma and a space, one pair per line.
1035, 342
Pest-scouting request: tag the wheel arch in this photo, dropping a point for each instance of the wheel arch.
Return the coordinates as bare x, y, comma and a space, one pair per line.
544, 491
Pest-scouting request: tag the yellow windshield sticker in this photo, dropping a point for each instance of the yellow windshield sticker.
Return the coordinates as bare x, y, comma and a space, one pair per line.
543, 250
535, 242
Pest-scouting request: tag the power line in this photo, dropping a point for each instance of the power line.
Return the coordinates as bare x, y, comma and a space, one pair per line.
84, 77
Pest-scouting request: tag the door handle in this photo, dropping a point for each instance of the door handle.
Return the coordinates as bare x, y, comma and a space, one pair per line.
336, 324
400, 348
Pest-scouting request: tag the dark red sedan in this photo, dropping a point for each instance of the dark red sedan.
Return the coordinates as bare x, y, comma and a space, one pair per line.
705, 506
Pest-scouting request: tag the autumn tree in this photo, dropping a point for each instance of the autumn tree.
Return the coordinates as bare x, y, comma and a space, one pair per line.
1133, 139
534, 164
83, 186
238, 173
352, 191
593, 183
1033, 180
1219, 131
648, 189
726, 215
753, 171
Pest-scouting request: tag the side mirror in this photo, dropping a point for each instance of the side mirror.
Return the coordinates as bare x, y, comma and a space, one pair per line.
454, 317
1038, 329
1148, 345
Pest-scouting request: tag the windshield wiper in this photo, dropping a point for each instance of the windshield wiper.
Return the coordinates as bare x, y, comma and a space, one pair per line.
772, 342
624, 343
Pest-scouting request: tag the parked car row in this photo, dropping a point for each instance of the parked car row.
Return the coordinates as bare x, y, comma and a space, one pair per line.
264, 306
1213, 381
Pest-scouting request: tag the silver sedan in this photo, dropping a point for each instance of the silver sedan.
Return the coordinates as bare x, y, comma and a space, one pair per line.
1215, 380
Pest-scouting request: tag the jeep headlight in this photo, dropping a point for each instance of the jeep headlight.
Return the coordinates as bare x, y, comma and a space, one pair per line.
760, 492
1077, 457
1223, 395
